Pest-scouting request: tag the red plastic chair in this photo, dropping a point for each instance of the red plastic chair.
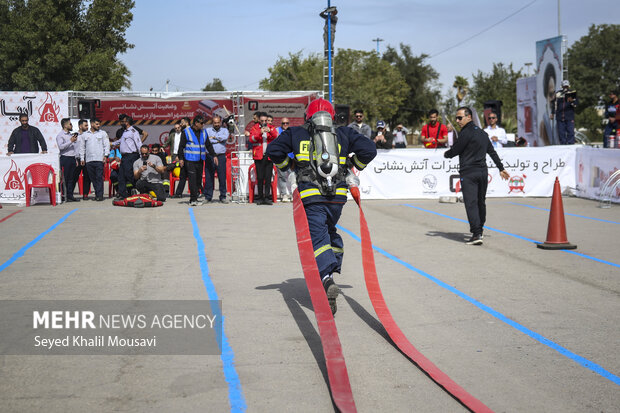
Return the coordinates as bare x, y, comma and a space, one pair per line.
253, 183
40, 177
230, 162
107, 171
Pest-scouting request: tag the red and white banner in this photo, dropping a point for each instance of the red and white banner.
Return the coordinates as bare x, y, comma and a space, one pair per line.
44, 110
12, 184
424, 173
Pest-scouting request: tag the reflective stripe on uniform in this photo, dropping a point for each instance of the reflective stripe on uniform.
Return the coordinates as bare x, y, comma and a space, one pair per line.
282, 164
343, 160
309, 192
341, 191
357, 163
302, 157
337, 250
322, 250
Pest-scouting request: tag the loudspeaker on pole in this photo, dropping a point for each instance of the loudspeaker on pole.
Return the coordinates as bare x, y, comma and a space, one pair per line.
556, 230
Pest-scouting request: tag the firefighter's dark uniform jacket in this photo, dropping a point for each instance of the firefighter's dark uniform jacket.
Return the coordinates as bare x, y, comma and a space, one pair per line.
298, 141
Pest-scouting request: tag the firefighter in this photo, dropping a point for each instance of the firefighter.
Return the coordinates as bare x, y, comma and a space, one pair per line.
322, 175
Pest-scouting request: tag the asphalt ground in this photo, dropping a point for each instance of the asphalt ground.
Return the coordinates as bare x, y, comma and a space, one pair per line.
520, 328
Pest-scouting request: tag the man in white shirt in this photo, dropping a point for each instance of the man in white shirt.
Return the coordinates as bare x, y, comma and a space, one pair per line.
94, 149
496, 134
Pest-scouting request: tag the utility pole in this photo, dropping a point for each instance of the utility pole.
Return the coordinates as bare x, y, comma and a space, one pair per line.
559, 20
380, 40
528, 65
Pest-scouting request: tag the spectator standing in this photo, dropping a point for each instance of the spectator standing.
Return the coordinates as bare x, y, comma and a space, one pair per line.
284, 186
613, 106
261, 135
81, 169
174, 151
611, 130
218, 137
400, 137
69, 150
472, 146
26, 138
119, 132
496, 134
94, 149
382, 138
129, 145
434, 134
451, 135
193, 147
563, 109
358, 124
248, 128
147, 172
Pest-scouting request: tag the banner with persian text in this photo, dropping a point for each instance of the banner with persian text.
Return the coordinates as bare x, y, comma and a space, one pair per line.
423, 173
44, 110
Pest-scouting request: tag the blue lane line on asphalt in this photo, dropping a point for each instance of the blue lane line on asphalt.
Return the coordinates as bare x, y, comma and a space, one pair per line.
235, 394
613, 264
26, 247
543, 340
572, 215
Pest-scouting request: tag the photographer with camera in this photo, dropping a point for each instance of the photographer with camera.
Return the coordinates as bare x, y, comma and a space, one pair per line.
261, 135
563, 108
147, 172
69, 148
381, 137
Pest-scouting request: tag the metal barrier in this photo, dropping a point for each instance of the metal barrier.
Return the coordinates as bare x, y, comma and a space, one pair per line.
609, 187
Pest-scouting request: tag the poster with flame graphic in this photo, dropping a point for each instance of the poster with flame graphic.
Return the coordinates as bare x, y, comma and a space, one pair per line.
44, 110
12, 184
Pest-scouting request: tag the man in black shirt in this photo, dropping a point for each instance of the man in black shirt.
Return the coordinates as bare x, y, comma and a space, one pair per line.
472, 146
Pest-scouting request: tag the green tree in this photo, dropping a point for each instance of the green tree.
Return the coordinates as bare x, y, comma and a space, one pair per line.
500, 84
295, 73
214, 86
365, 81
64, 44
423, 92
362, 80
594, 71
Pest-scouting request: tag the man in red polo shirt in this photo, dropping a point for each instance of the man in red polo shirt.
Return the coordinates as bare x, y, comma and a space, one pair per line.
434, 134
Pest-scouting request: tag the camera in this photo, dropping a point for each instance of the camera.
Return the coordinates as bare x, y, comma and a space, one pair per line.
229, 120
144, 163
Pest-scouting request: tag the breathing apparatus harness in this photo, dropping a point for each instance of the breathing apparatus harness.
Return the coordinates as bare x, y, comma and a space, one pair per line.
324, 171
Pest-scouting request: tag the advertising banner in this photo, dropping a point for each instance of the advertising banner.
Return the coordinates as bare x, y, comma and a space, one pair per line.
12, 168
423, 173
594, 167
527, 125
548, 81
44, 110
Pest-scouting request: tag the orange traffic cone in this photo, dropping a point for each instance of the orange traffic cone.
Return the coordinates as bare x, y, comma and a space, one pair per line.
556, 231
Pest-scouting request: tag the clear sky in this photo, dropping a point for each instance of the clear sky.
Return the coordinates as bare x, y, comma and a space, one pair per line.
190, 42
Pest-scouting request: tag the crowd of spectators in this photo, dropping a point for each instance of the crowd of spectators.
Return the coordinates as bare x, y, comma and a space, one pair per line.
193, 147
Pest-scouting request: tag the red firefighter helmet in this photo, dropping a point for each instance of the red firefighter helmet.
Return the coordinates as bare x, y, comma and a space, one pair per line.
319, 105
